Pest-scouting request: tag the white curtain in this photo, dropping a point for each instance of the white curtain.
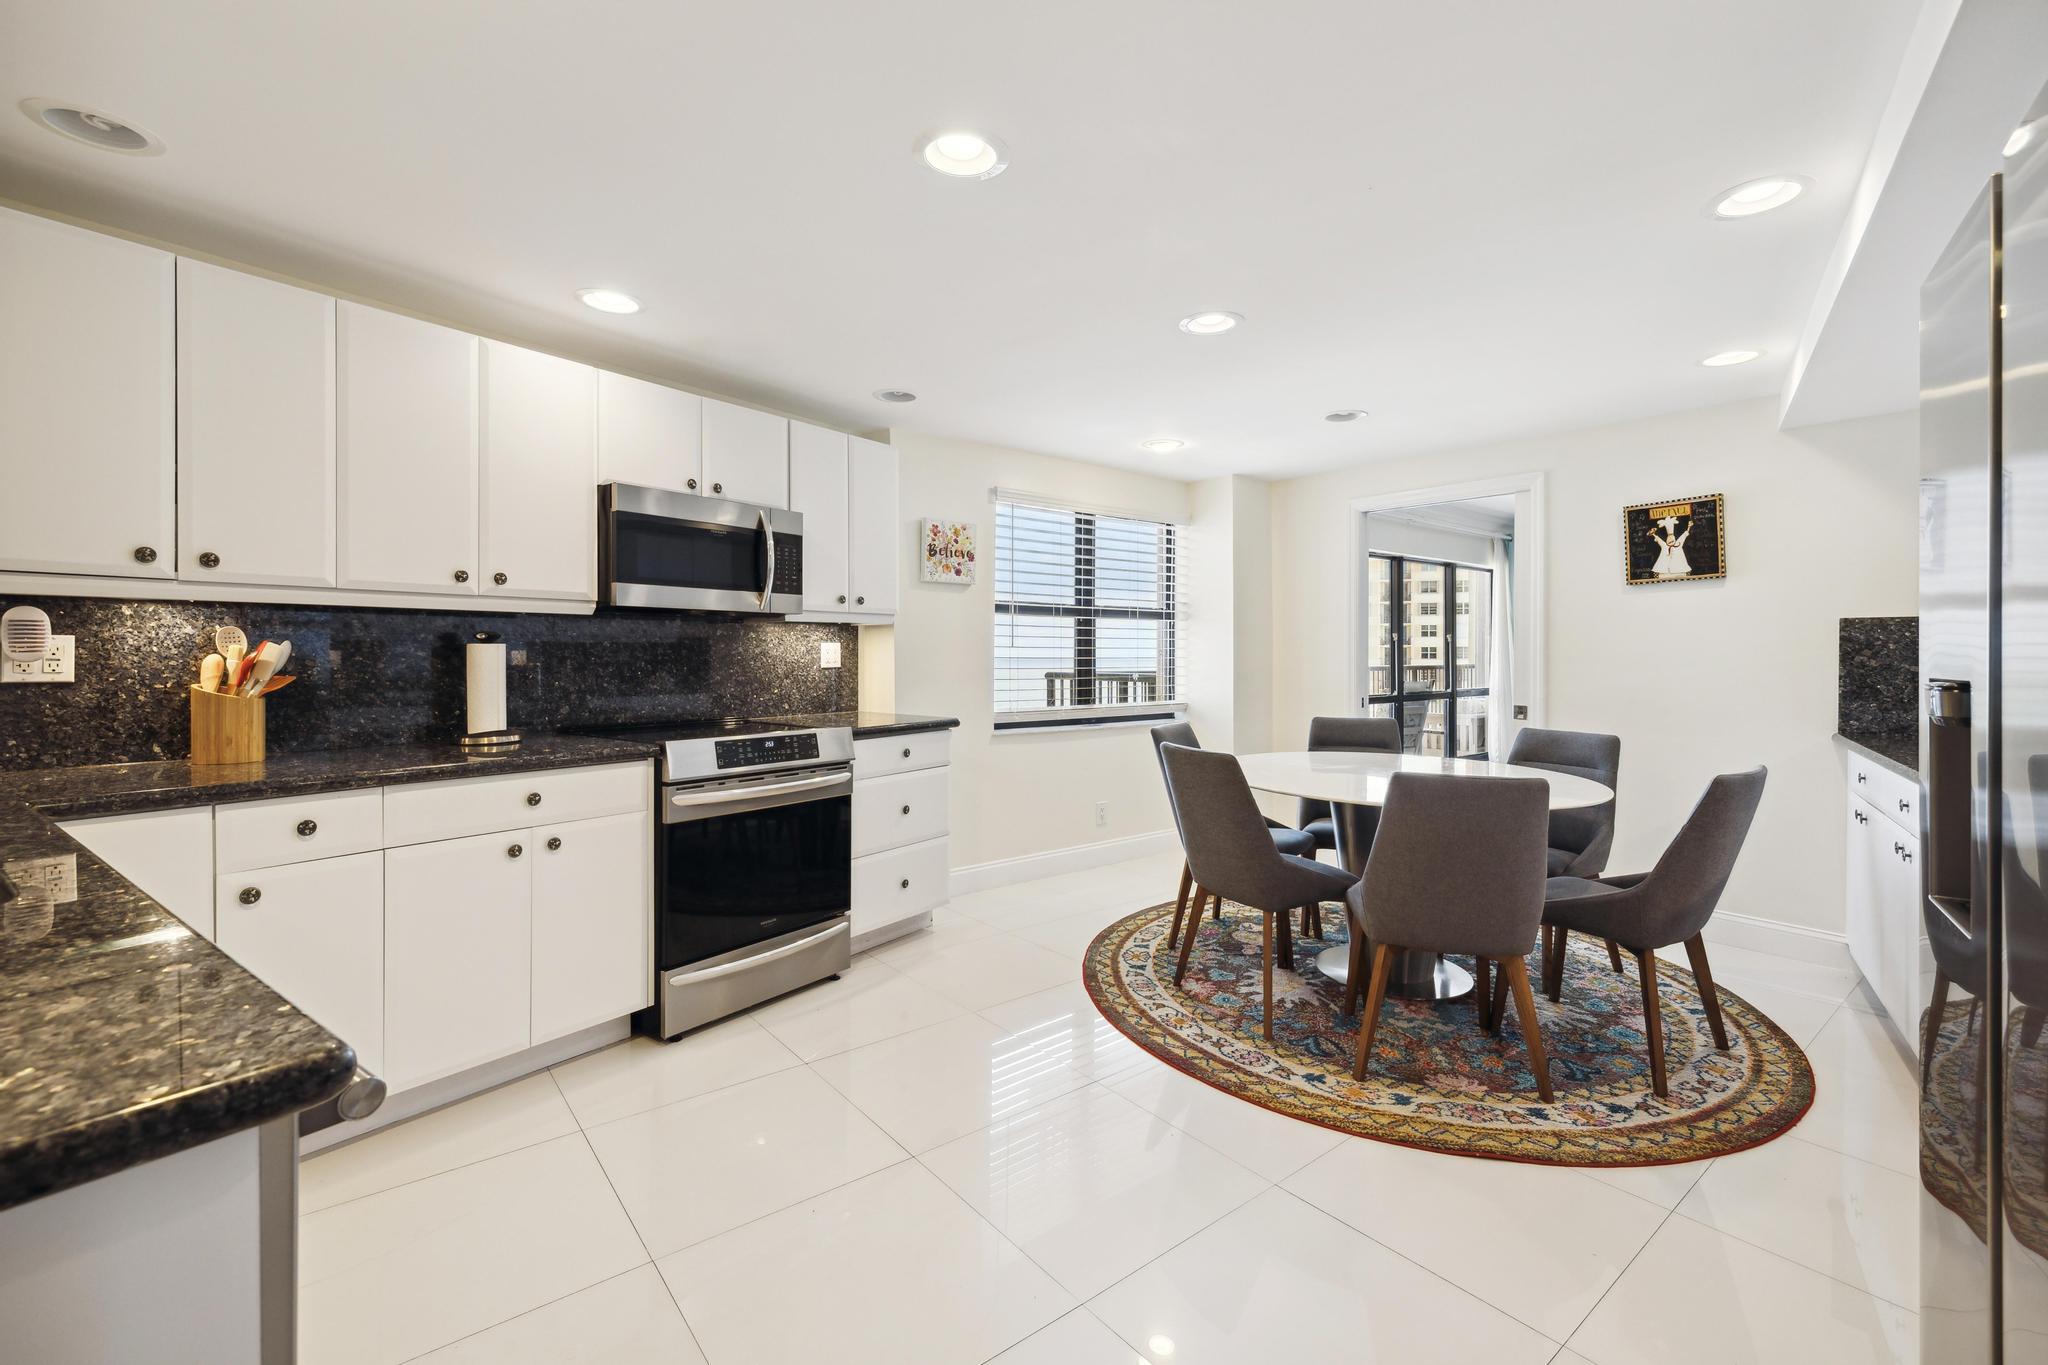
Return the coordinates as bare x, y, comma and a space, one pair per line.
1500, 680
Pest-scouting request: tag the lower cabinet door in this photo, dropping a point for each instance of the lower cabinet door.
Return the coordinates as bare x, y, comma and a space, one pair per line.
314, 932
457, 954
1864, 902
168, 853
593, 922
1898, 896
901, 884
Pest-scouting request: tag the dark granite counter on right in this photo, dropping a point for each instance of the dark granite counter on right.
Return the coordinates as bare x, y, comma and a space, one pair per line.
1896, 750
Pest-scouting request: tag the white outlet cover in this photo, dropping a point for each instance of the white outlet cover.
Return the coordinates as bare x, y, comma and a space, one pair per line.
828, 654
59, 664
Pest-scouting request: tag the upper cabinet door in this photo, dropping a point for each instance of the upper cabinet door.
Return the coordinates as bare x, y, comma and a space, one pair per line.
746, 455
871, 525
539, 505
87, 405
406, 446
649, 434
255, 429
817, 488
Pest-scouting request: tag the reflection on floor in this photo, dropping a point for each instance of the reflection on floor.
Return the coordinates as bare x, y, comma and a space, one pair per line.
947, 1156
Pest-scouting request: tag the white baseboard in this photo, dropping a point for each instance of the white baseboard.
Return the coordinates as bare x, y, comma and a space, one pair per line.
1005, 871
1795, 941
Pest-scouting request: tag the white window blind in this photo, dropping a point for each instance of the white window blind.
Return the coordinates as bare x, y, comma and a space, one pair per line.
1084, 614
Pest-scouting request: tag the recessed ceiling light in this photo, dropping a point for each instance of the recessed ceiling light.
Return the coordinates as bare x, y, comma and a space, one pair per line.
962, 155
896, 395
93, 128
1346, 415
1758, 196
609, 300
1730, 358
1209, 323
1162, 445
2021, 136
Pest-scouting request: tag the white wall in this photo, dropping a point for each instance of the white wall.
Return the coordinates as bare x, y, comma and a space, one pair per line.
1696, 678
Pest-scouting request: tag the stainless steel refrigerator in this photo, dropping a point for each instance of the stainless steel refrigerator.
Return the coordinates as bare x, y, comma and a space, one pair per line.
1983, 1103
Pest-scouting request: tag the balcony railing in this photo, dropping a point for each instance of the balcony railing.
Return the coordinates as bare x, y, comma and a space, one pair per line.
1111, 689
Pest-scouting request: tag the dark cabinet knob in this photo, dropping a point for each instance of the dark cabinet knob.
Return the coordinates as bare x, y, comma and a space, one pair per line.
693, 483
533, 798
500, 579
906, 883
209, 560
906, 810
718, 488
555, 844
250, 895
514, 851
860, 601
906, 751
462, 575
145, 555
307, 829
842, 599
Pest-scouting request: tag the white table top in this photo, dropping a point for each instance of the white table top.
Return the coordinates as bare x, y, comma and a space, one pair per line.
1361, 779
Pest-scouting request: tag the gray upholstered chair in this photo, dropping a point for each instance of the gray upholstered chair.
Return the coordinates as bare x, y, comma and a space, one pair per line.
1457, 867
1669, 904
1344, 734
1285, 838
1232, 853
1580, 838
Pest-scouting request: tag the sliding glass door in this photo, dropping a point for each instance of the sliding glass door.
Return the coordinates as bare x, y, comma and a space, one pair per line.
1429, 652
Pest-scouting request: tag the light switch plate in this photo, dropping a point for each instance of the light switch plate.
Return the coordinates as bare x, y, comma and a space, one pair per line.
828, 654
58, 664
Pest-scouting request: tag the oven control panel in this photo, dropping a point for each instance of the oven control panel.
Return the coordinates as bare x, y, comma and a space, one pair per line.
755, 750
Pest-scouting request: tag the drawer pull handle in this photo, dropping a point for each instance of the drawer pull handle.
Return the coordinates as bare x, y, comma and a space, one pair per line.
1861, 778
906, 810
1905, 806
1899, 849
145, 554
1861, 818
906, 751
1906, 855
533, 798
307, 829
250, 895
555, 844
906, 883
514, 851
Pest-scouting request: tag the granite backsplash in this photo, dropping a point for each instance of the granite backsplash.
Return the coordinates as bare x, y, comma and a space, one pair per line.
384, 675
1879, 679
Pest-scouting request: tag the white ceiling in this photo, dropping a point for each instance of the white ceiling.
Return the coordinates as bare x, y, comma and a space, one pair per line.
1475, 218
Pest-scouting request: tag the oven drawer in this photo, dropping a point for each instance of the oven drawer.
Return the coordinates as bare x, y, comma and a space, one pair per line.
1896, 798
429, 811
894, 886
882, 755
889, 812
296, 829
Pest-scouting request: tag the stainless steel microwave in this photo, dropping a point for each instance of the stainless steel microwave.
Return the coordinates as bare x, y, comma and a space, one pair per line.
660, 548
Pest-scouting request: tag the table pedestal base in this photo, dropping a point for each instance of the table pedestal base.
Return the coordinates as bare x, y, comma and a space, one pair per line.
1417, 975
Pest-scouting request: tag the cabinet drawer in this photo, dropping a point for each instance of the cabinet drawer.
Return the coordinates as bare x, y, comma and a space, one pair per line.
885, 754
889, 812
296, 829
314, 932
894, 886
1895, 797
484, 805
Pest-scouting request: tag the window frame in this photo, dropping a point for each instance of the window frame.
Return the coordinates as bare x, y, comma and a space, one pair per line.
1452, 634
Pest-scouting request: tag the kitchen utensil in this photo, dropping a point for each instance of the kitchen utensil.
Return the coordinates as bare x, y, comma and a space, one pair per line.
212, 669
229, 638
232, 656
276, 683
263, 664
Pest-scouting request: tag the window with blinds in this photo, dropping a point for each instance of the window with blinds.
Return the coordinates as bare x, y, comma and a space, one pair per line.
1084, 627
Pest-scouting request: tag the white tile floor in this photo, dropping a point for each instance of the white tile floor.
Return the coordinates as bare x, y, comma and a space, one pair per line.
947, 1157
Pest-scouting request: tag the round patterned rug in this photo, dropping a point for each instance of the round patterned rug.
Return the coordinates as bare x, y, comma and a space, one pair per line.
1437, 1080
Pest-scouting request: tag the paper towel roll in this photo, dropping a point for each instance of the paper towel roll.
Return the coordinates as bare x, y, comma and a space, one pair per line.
485, 657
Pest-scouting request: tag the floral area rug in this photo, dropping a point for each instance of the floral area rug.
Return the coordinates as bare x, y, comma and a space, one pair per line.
1437, 1080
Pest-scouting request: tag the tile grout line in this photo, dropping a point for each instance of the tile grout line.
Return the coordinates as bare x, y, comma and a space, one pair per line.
525, 1312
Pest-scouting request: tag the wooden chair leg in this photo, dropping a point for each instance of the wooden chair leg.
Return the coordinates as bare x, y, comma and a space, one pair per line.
1653, 1021
1516, 970
1930, 1032
1553, 961
1187, 941
1703, 976
1354, 980
1218, 908
1180, 905
1500, 1000
1286, 931
2032, 1017
1266, 932
1482, 990
1382, 968
1614, 954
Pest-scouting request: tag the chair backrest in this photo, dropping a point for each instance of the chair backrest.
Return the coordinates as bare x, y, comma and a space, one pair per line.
1177, 732
1587, 831
1350, 734
1679, 895
1458, 864
1228, 849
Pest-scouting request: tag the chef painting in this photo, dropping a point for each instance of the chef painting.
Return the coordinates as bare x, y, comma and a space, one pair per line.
1673, 542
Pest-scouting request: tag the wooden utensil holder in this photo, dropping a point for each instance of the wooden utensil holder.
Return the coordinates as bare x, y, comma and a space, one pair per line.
226, 729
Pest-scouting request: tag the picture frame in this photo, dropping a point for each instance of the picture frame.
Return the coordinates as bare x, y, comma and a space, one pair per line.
946, 551
1677, 540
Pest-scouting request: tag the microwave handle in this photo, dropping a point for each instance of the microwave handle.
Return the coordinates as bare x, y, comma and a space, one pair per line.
768, 552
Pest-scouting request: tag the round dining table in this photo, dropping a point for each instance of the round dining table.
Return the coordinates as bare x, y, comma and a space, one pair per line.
1355, 785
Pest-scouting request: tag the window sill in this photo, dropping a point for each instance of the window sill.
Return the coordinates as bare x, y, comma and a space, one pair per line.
1042, 723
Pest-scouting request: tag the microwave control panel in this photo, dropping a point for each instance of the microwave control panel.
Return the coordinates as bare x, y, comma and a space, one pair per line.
756, 750
789, 564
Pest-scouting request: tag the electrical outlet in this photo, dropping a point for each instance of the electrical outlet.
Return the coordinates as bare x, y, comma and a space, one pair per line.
53, 879
58, 664
1102, 815
828, 654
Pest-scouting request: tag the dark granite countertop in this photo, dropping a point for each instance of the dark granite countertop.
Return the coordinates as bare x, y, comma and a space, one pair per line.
1897, 750
868, 724
124, 1035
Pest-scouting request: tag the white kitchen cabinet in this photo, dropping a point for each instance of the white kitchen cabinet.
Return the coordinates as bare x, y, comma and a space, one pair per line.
255, 429
458, 955
873, 542
314, 932
746, 455
817, 488
896, 891
649, 434
592, 889
88, 441
538, 463
406, 453
905, 808
901, 822
1886, 929
168, 853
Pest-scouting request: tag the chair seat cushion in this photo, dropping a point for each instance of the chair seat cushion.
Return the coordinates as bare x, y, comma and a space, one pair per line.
1560, 861
1323, 831
1298, 842
1591, 907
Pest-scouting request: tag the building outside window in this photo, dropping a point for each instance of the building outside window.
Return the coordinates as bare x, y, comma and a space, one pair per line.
1441, 708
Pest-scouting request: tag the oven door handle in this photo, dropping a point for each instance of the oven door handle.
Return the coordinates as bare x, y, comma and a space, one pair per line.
748, 963
728, 795
768, 551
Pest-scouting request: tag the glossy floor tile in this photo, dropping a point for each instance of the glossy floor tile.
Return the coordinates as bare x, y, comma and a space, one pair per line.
988, 971
1866, 1099
1271, 1144
870, 1001
641, 1074
630, 1319
1062, 1025
1079, 1338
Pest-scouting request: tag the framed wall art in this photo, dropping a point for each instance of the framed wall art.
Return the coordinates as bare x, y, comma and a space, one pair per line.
1679, 541
948, 551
